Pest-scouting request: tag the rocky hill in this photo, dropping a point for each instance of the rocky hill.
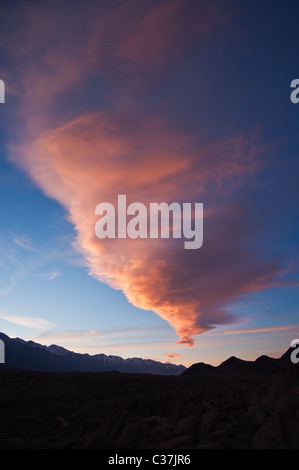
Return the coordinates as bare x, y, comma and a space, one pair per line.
237, 405
110, 410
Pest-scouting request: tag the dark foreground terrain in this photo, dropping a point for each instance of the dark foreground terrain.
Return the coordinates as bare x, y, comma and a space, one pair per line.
119, 411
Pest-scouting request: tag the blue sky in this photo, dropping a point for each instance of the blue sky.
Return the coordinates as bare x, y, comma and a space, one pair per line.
161, 101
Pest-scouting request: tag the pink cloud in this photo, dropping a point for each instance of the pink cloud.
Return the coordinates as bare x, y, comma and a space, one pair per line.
172, 355
93, 159
160, 30
270, 329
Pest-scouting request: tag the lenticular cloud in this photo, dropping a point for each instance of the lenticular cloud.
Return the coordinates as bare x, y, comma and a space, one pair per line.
95, 157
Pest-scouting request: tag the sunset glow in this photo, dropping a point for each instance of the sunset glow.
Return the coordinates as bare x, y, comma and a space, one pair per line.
161, 101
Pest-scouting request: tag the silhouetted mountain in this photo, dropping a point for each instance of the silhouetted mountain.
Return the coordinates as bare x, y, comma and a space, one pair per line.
266, 362
20, 354
233, 365
285, 358
200, 368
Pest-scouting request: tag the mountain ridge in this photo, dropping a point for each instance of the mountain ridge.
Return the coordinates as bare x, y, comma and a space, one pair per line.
28, 355
234, 365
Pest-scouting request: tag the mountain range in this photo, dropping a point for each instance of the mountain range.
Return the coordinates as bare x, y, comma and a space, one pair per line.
234, 365
28, 355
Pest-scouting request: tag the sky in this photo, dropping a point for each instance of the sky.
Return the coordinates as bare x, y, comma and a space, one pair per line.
162, 101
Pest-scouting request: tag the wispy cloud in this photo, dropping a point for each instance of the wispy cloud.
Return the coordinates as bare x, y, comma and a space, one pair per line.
93, 333
72, 340
22, 241
120, 339
269, 329
36, 260
50, 276
20, 273
30, 322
